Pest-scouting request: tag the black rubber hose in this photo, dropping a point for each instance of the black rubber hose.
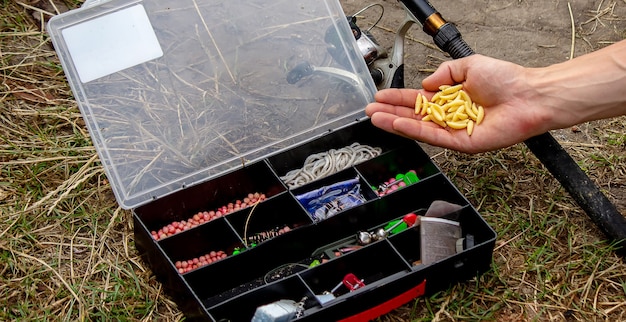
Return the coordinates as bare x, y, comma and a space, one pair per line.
584, 191
449, 39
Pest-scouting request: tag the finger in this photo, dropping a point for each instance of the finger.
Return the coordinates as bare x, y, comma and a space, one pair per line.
397, 96
428, 132
410, 128
384, 121
448, 73
402, 111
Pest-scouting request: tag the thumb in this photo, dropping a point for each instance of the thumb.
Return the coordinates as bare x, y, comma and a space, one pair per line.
448, 73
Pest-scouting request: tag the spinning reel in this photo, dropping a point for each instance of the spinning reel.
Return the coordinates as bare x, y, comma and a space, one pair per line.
387, 69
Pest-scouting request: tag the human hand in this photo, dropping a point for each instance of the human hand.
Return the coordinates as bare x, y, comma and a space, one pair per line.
511, 115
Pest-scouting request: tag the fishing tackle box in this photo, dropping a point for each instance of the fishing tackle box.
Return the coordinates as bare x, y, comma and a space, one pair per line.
194, 104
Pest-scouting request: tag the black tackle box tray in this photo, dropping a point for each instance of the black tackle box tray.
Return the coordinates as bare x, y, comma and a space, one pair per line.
203, 106
232, 288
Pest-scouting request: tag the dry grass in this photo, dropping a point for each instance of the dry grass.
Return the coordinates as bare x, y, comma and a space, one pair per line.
66, 248
67, 253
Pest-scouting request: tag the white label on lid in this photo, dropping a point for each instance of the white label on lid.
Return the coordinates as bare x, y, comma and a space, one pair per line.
111, 43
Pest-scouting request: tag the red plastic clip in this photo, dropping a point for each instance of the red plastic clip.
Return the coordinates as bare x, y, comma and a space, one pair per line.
352, 282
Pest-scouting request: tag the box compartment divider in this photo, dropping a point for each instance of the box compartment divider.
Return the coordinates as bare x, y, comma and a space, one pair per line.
217, 235
399, 161
362, 133
210, 195
243, 307
268, 217
370, 264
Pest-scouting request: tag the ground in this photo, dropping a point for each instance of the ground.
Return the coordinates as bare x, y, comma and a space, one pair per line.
66, 248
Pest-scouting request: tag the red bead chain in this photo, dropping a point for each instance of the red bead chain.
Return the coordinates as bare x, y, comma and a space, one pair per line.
202, 217
206, 259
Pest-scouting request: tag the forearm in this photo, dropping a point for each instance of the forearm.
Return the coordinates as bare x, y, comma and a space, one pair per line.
587, 88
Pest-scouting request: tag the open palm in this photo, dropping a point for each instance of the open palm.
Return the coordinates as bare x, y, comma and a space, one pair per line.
510, 114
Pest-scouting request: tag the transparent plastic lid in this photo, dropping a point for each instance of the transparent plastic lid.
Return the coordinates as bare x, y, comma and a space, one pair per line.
175, 93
